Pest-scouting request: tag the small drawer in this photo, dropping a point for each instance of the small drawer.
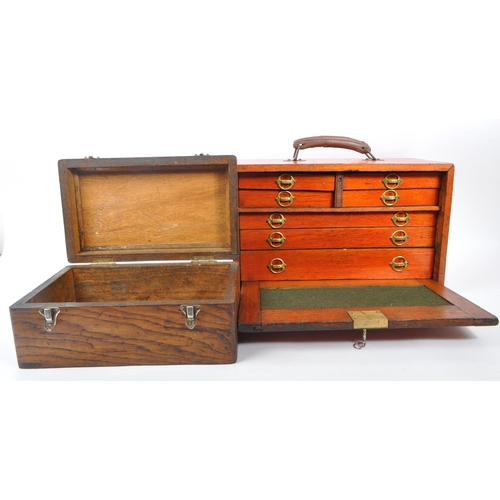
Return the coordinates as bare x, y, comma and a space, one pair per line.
284, 199
391, 198
287, 181
392, 180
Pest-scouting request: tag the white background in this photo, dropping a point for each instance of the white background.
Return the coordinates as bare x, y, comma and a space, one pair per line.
167, 78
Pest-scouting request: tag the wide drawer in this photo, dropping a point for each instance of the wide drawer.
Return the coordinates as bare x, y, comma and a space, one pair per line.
390, 237
337, 264
286, 182
298, 220
276, 199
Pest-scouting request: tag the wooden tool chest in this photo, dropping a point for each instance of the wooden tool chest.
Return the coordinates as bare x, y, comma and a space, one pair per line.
172, 256
156, 241
341, 244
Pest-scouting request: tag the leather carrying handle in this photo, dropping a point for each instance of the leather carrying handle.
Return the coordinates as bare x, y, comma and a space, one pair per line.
332, 141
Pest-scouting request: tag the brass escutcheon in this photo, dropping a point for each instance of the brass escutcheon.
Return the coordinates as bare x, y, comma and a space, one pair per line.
276, 220
285, 198
390, 197
276, 239
399, 237
285, 181
401, 219
392, 181
276, 266
399, 263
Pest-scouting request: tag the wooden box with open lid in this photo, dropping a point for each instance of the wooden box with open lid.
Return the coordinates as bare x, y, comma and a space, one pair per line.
156, 279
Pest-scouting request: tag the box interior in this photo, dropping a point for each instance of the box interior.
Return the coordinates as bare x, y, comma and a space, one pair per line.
130, 283
146, 210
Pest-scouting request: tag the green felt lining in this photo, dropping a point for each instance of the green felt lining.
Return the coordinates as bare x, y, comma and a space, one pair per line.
363, 296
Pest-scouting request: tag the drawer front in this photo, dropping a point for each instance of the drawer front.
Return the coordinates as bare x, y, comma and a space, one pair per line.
384, 237
275, 199
390, 198
337, 264
286, 182
393, 180
297, 220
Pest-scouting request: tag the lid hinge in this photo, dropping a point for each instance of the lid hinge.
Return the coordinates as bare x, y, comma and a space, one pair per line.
102, 261
204, 259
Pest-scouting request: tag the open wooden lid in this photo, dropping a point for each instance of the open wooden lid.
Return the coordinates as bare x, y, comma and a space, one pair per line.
128, 209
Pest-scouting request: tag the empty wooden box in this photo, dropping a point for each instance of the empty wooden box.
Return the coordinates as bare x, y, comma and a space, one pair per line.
156, 276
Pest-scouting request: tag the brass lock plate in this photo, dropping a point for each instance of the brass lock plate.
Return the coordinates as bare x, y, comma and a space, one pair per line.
368, 319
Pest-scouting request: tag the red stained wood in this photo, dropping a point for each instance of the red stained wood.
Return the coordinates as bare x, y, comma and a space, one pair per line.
347, 243
343, 164
399, 317
407, 180
302, 181
335, 238
479, 315
267, 198
407, 198
336, 264
307, 220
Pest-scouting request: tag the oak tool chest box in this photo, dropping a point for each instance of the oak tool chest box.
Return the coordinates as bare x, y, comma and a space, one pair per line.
347, 244
156, 279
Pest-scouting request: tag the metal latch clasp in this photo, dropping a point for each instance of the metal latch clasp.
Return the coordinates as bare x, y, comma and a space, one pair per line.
50, 316
190, 312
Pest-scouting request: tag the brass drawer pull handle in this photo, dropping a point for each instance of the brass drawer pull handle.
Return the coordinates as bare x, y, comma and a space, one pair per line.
285, 181
399, 263
285, 198
276, 266
390, 197
392, 181
399, 237
276, 239
276, 220
401, 219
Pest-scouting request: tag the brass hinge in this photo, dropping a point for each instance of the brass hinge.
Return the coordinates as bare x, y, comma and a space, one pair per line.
204, 259
102, 261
